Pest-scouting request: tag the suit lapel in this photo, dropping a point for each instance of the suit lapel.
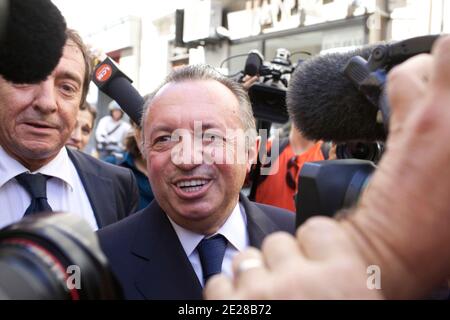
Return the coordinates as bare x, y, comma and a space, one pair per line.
98, 189
258, 224
165, 271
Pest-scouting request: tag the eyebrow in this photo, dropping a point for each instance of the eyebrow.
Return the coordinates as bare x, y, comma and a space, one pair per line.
160, 127
211, 125
165, 128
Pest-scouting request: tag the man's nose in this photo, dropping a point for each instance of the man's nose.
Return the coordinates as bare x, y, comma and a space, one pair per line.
189, 154
45, 98
76, 134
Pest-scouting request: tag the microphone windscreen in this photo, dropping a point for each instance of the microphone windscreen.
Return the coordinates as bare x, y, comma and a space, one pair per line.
33, 42
253, 64
325, 105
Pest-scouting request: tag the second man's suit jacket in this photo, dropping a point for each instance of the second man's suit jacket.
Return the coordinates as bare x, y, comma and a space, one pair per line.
112, 190
149, 261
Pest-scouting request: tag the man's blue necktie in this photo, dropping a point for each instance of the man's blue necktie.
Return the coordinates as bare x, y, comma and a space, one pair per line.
211, 252
36, 186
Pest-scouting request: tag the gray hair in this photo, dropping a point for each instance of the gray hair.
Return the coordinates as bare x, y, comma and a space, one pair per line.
206, 72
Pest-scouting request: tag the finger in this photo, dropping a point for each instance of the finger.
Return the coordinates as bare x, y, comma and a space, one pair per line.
407, 83
219, 287
280, 249
249, 82
323, 238
441, 70
250, 274
253, 79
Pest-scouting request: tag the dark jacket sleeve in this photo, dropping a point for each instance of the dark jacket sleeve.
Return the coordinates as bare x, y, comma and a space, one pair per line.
134, 194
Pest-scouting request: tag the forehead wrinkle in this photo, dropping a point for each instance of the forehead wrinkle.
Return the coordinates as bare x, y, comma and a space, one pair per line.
173, 94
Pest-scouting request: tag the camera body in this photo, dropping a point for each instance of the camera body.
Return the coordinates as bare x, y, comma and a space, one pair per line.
268, 95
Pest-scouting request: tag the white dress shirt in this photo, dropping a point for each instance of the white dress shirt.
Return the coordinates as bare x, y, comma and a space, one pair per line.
234, 230
65, 191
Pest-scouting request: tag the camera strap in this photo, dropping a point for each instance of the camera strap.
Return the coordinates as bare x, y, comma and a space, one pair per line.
325, 148
114, 129
255, 173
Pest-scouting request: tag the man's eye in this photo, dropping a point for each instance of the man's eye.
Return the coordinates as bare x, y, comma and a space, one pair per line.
68, 89
161, 139
212, 137
86, 130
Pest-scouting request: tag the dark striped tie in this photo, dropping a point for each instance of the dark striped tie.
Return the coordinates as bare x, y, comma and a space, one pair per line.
36, 186
211, 252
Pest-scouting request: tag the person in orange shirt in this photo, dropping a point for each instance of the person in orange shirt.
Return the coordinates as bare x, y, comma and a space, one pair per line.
280, 186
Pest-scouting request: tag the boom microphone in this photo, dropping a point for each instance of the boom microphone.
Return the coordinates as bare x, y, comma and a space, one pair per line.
33, 39
115, 84
325, 105
253, 63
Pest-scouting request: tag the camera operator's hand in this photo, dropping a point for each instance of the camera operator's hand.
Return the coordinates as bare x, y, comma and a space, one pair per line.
248, 81
321, 263
401, 224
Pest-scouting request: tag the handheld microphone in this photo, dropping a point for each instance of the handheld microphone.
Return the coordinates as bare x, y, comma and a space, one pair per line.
253, 63
325, 105
115, 84
33, 39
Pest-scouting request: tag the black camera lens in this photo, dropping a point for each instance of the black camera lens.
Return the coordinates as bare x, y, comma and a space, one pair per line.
371, 151
55, 256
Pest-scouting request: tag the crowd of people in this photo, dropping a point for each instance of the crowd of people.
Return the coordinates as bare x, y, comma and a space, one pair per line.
169, 208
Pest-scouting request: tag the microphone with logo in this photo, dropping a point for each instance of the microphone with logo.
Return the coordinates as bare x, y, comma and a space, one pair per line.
32, 37
115, 84
341, 97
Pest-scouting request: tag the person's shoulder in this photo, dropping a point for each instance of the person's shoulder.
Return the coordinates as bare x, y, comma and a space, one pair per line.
122, 228
122, 232
87, 162
126, 124
281, 217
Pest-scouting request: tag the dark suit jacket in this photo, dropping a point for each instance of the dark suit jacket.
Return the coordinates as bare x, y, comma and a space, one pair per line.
112, 190
149, 260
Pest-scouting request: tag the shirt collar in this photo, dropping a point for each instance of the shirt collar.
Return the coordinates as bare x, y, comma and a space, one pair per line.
10, 167
234, 230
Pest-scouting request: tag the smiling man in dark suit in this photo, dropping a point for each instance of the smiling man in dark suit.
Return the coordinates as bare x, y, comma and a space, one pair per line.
199, 141
37, 173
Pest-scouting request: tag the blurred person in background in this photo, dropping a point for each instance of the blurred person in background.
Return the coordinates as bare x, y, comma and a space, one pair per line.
134, 161
83, 129
110, 134
279, 187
